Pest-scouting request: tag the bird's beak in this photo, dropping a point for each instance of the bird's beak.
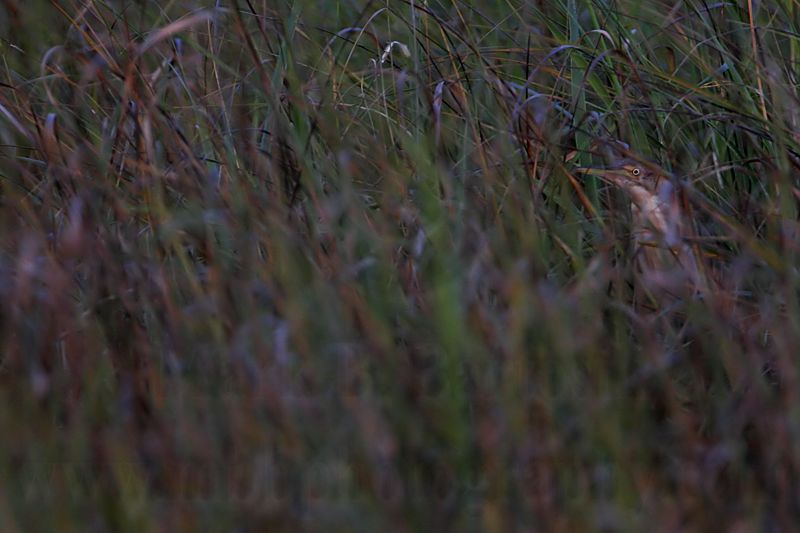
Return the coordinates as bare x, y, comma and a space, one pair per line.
593, 171
609, 175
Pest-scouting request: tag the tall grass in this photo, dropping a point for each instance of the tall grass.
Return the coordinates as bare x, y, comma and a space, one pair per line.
328, 266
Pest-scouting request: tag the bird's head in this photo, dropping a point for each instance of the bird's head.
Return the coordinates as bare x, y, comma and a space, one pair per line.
627, 174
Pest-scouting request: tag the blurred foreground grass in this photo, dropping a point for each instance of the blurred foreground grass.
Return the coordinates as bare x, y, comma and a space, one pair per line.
326, 266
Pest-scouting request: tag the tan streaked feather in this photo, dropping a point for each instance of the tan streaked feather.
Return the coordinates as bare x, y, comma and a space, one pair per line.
665, 261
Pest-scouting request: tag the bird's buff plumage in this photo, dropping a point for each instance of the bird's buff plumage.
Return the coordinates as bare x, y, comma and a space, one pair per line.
666, 262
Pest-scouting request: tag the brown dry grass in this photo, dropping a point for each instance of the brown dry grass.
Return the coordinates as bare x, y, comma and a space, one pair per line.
258, 273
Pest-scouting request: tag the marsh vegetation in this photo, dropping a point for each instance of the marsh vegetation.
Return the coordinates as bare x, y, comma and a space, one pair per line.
328, 266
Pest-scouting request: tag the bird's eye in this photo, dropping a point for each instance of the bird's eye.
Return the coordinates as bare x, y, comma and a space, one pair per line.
636, 171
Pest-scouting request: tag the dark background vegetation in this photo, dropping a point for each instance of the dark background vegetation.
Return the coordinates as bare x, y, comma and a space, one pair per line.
259, 272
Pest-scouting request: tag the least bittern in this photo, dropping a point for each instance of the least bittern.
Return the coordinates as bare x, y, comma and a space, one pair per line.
665, 260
